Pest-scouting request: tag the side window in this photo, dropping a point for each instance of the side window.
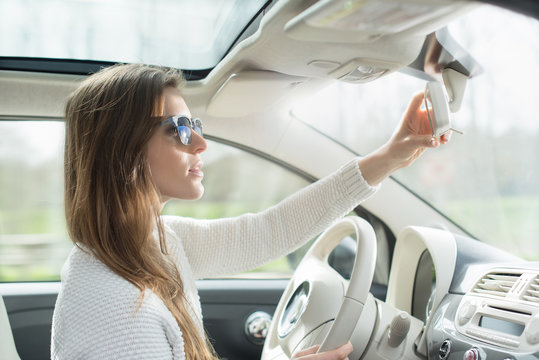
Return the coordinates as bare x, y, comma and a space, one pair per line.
33, 239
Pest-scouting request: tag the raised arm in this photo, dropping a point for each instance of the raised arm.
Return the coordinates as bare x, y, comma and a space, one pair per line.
233, 245
226, 246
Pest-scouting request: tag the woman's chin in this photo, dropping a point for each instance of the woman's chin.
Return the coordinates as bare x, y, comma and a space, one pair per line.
195, 194
200, 193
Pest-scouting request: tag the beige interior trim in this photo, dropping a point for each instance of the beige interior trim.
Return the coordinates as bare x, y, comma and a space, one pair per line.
250, 92
7, 344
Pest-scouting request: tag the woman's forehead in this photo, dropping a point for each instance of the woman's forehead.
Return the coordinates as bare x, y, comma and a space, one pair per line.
173, 103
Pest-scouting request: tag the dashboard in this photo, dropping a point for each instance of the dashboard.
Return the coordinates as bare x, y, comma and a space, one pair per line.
498, 318
476, 302
448, 297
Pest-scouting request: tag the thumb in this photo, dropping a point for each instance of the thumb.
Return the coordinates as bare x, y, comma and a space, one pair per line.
414, 105
415, 102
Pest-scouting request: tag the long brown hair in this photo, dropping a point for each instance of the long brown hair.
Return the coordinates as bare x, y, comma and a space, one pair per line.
112, 206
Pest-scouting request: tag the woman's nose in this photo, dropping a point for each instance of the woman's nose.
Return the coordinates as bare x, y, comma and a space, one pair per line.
198, 143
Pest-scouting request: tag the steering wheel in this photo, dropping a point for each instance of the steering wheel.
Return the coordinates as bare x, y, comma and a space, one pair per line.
318, 303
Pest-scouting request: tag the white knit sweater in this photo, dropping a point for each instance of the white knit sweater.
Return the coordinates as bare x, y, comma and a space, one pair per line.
96, 314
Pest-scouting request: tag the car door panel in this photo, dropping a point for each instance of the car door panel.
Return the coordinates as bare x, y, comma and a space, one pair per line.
226, 304
30, 316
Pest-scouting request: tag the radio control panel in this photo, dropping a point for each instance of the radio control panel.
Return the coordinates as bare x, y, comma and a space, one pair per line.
504, 317
497, 319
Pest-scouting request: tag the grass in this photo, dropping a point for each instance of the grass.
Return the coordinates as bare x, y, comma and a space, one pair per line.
30, 273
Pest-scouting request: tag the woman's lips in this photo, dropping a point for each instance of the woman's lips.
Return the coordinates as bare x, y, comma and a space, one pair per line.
197, 169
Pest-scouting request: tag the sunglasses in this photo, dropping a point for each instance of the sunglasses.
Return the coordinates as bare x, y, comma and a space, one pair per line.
184, 127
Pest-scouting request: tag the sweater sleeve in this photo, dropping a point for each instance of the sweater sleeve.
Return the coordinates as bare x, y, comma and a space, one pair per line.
232, 245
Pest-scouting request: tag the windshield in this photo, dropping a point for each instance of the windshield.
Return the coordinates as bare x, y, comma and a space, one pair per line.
485, 180
195, 34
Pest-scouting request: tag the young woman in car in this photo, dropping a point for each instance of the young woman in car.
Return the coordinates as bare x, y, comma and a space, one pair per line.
128, 286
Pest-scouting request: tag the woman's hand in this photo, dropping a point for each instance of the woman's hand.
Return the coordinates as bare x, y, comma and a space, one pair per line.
340, 353
414, 134
411, 138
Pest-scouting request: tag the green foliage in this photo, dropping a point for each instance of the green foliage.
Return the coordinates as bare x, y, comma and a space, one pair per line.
29, 273
516, 233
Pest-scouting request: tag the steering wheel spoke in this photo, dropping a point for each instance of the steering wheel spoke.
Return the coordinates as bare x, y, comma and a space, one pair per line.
317, 298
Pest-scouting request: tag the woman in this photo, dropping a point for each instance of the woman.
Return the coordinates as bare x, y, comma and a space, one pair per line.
128, 286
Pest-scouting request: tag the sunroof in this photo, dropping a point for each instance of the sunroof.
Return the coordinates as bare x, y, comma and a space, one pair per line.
185, 34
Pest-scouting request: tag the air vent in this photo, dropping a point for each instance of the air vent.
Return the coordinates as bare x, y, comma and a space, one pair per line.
532, 293
496, 284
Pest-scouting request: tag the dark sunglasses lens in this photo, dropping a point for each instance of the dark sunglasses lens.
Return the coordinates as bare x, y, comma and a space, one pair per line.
185, 134
197, 126
183, 121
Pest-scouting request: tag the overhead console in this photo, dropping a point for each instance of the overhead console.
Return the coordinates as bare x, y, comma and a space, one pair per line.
362, 70
363, 24
363, 21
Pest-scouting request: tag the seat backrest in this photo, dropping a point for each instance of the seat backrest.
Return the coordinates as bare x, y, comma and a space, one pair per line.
8, 351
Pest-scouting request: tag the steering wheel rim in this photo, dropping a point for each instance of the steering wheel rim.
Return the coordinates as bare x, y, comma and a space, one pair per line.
317, 298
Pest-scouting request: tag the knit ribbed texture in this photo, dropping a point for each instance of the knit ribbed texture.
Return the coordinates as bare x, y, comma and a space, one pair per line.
96, 314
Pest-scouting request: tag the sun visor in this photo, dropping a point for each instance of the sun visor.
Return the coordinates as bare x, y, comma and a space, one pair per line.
251, 92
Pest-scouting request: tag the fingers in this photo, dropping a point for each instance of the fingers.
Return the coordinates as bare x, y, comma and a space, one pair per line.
341, 353
444, 139
413, 136
433, 142
422, 141
311, 350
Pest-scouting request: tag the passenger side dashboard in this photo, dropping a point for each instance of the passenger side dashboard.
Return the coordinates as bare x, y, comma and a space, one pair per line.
498, 318
476, 302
